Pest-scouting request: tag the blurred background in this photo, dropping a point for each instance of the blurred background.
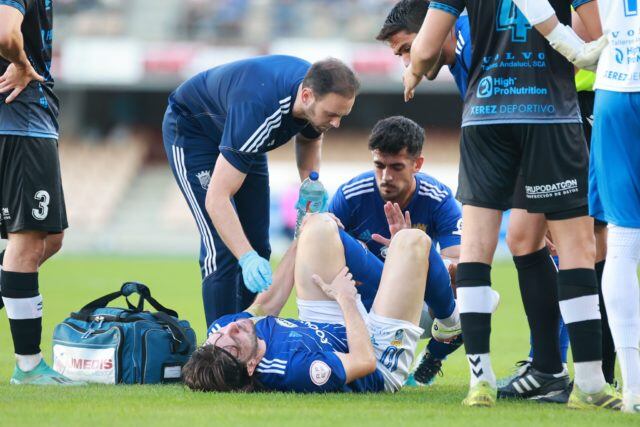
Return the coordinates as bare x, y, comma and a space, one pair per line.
116, 61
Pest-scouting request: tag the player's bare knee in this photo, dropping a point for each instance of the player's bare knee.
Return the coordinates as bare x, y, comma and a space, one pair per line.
522, 242
411, 239
320, 226
53, 244
28, 248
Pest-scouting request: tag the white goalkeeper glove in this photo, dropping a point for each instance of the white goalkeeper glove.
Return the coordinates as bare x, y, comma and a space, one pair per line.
583, 55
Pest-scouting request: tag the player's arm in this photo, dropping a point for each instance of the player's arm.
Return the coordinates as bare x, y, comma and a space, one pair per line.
225, 183
561, 37
308, 151
427, 47
361, 359
20, 73
11, 40
270, 302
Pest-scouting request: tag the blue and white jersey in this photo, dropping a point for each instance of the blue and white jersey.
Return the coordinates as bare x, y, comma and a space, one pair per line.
244, 108
433, 209
460, 70
301, 356
619, 65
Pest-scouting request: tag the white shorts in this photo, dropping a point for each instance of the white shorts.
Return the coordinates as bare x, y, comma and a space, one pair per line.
394, 341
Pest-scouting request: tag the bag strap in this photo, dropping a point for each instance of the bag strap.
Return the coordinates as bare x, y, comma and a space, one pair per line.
126, 290
181, 342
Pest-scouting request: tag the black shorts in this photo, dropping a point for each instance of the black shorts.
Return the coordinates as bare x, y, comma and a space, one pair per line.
552, 159
31, 196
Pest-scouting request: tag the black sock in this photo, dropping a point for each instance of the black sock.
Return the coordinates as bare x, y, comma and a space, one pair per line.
578, 294
1, 261
24, 309
538, 280
608, 348
476, 326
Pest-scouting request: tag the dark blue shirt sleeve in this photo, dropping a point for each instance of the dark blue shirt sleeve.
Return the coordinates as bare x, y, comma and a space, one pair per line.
454, 7
246, 133
339, 207
309, 372
447, 219
21, 5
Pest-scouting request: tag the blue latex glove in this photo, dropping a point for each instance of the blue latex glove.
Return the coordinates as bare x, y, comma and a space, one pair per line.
256, 272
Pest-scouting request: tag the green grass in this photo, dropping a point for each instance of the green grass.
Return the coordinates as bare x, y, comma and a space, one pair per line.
69, 283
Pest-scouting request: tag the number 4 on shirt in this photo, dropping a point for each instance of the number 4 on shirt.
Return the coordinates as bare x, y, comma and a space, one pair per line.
511, 18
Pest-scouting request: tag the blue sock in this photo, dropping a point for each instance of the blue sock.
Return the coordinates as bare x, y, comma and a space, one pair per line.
440, 350
564, 341
364, 266
367, 268
439, 295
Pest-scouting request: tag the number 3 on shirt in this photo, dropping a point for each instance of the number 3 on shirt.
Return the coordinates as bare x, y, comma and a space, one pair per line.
511, 18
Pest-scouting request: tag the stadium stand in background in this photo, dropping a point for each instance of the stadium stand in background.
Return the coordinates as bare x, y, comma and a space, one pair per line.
120, 192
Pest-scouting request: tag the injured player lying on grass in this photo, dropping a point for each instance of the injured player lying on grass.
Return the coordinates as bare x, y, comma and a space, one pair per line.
335, 345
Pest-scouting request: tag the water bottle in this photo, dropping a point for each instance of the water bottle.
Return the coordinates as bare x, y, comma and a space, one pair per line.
312, 198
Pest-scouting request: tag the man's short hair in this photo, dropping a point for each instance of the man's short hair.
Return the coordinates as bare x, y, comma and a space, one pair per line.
392, 134
406, 15
331, 76
212, 368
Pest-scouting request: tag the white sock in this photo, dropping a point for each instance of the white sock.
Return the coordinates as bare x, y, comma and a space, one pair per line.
622, 298
452, 320
28, 362
481, 370
630, 367
589, 377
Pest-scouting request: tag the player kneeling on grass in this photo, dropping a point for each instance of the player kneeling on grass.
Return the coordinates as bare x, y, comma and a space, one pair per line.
336, 345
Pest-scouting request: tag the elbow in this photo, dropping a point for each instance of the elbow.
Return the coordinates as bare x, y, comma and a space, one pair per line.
211, 203
428, 55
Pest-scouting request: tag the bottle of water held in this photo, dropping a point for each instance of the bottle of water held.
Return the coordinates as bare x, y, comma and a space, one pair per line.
312, 198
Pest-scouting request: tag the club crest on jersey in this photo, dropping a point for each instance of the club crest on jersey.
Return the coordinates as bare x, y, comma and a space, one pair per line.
397, 339
319, 372
422, 227
204, 177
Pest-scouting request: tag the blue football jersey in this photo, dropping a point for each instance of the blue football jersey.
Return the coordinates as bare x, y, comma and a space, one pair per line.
433, 209
244, 108
460, 70
300, 356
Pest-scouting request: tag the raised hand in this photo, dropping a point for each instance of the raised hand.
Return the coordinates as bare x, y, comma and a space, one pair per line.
397, 221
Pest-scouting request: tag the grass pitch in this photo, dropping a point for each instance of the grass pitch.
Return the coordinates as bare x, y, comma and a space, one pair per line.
67, 283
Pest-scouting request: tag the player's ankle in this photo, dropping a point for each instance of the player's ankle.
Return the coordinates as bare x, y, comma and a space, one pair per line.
28, 362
